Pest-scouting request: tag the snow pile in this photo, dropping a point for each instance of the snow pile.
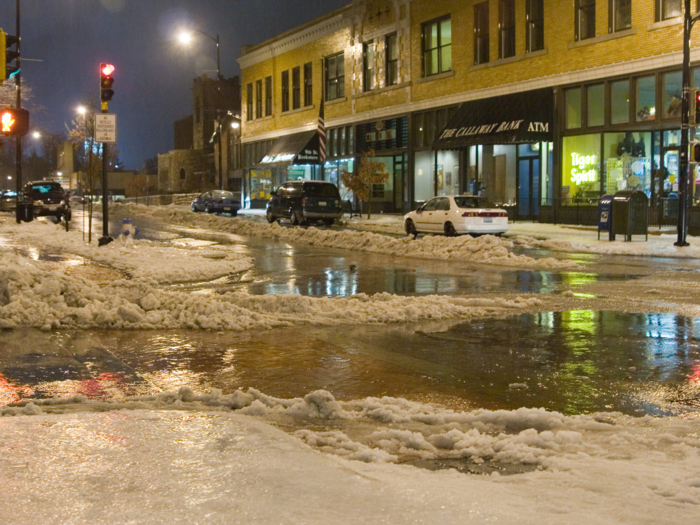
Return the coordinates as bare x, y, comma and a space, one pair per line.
486, 249
139, 259
184, 455
32, 295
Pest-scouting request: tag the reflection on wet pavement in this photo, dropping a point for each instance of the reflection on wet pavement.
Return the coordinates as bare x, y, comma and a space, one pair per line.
573, 362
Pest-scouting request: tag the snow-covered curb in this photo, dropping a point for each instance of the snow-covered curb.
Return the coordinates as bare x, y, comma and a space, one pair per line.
204, 458
486, 249
137, 259
34, 295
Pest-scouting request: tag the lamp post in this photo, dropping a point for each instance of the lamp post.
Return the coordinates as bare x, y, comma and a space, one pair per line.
683, 182
185, 37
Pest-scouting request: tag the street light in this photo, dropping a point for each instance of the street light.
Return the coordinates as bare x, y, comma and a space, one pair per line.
185, 37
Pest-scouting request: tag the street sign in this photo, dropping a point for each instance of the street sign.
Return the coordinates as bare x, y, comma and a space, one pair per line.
105, 128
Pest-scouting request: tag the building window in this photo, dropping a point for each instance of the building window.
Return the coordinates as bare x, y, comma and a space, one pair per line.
581, 181
392, 59
595, 102
585, 19
535, 25
646, 99
369, 76
620, 15
285, 91
666, 9
335, 76
258, 99
249, 102
437, 47
481, 33
573, 108
296, 88
673, 94
506, 28
268, 96
308, 85
183, 175
620, 102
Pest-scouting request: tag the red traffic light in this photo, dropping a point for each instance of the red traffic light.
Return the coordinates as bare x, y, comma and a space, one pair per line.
106, 69
14, 122
106, 81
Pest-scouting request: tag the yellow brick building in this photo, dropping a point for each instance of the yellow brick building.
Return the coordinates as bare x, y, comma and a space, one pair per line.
541, 105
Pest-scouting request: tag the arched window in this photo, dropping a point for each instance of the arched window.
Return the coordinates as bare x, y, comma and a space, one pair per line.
182, 174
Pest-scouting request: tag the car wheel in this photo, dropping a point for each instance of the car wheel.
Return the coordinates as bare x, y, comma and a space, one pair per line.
411, 228
207, 209
450, 230
194, 208
294, 218
234, 213
329, 222
270, 218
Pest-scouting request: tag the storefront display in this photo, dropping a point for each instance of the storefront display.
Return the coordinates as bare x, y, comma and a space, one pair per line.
580, 169
628, 164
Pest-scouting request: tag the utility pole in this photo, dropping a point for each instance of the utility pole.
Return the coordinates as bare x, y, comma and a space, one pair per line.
21, 204
683, 182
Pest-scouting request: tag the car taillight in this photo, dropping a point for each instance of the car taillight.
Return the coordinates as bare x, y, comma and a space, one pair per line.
469, 214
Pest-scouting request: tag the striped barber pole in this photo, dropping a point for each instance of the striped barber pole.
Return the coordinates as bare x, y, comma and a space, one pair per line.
321, 135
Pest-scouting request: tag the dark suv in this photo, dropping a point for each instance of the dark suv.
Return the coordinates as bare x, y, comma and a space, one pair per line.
305, 201
48, 199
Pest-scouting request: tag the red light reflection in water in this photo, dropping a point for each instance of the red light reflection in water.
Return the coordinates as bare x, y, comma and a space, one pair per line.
10, 393
695, 377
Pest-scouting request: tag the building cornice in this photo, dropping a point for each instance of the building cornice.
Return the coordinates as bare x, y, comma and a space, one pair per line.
297, 39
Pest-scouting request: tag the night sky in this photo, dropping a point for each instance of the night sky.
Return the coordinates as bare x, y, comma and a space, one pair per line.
154, 72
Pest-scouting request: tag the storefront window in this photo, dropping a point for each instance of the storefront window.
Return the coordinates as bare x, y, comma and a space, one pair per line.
261, 184
627, 161
620, 102
646, 99
445, 173
596, 105
573, 108
333, 173
303, 172
581, 170
673, 94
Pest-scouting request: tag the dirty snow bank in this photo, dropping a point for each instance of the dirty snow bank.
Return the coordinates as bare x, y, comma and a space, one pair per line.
186, 455
139, 259
33, 295
486, 249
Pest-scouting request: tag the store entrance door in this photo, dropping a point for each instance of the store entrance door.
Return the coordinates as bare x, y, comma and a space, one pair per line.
668, 185
528, 183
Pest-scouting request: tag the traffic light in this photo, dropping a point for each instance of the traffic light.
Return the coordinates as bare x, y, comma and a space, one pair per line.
106, 81
8, 55
695, 152
14, 122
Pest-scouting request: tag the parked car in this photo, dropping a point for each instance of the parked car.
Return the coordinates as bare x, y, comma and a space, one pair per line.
454, 215
304, 201
49, 199
8, 200
216, 201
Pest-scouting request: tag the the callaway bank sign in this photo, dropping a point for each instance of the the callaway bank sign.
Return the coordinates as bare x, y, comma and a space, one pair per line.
519, 117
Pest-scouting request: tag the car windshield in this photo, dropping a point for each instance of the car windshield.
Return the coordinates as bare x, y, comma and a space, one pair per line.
321, 190
474, 202
219, 194
46, 188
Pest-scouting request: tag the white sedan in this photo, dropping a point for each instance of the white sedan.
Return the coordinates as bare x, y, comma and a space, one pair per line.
453, 215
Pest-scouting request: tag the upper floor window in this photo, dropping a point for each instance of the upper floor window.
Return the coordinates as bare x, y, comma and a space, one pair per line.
506, 28
437, 46
308, 84
285, 91
296, 88
258, 99
535, 25
585, 19
666, 9
268, 96
481, 33
335, 76
620, 15
369, 77
249, 102
392, 59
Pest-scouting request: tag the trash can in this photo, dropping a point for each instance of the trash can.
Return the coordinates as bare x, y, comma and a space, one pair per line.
24, 212
630, 214
605, 214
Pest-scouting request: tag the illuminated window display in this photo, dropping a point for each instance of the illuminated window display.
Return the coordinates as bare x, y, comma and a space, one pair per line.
581, 164
627, 161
